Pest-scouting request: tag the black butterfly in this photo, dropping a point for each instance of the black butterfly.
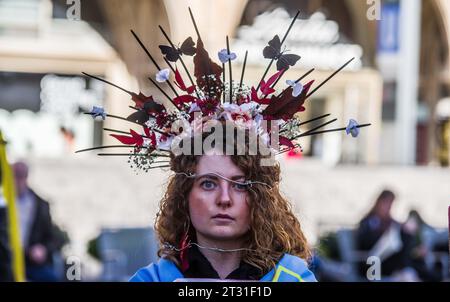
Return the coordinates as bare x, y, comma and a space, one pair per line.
141, 116
173, 54
273, 51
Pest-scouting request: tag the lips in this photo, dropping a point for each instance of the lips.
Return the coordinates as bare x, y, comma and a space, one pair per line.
223, 216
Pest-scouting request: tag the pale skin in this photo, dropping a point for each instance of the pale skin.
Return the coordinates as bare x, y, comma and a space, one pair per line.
219, 211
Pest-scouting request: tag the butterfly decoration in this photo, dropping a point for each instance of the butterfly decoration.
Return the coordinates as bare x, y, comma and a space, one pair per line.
225, 57
145, 109
139, 117
172, 54
258, 103
273, 51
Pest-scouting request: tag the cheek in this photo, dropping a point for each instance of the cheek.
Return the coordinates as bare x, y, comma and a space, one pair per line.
199, 207
244, 210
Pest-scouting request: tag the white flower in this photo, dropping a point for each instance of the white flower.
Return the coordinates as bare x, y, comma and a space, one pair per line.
194, 108
247, 107
165, 143
147, 142
151, 123
297, 88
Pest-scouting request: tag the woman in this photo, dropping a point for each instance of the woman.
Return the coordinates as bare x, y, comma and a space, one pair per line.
381, 235
420, 247
223, 217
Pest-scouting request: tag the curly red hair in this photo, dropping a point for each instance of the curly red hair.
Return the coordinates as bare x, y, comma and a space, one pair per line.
274, 229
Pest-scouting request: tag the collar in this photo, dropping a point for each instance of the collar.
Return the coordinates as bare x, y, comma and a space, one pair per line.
200, 267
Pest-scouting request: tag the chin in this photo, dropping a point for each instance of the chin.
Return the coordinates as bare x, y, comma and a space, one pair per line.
223, 232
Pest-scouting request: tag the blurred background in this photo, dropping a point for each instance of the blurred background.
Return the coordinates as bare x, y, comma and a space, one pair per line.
399, 82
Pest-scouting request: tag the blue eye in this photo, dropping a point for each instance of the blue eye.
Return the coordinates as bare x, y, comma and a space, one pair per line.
208, 185
241, 187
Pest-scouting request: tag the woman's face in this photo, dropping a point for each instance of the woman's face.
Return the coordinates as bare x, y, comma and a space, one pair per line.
218, 208
384, 208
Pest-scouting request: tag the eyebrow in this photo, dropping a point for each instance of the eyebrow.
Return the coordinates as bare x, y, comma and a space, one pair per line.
215, 177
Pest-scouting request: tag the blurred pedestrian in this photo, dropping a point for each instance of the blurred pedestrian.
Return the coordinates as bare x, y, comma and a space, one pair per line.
382, 236
41, 239
420, 247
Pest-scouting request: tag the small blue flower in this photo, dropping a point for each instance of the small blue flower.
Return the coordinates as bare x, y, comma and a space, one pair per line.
98, 111
225, 57
163, 75
352, 128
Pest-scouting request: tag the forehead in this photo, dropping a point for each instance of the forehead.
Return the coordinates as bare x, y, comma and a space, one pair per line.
220, 164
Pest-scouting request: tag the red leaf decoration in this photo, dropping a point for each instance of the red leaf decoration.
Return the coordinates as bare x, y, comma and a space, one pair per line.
204, 67
180, 83
135, 139
126, 140
285, 106
284, 141
147, 131
153, 139
182, 99
265, 86
255, 98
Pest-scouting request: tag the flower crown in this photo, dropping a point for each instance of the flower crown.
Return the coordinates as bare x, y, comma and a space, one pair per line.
215, 96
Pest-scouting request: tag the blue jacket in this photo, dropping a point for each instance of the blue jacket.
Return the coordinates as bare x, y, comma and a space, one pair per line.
289, 269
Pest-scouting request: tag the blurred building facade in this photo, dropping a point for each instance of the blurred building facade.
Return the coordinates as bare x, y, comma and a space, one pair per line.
45, 52
43, 96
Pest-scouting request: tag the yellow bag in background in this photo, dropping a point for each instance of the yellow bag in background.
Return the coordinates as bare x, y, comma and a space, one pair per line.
9, 194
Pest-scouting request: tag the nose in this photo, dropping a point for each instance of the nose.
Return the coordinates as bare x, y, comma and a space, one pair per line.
224, 199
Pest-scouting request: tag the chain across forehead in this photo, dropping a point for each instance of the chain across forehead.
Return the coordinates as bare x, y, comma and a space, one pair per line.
246, 182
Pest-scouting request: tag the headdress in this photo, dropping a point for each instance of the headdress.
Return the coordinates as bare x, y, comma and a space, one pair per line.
216, 96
